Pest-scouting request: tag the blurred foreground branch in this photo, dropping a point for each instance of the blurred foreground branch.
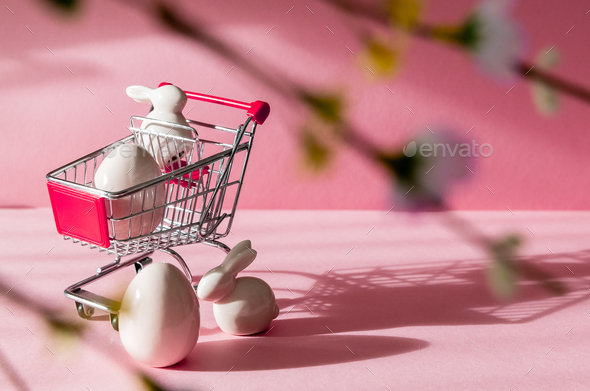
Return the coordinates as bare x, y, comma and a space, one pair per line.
65, 328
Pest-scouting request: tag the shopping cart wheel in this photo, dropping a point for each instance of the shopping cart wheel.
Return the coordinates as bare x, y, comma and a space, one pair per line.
85, 312
114, 321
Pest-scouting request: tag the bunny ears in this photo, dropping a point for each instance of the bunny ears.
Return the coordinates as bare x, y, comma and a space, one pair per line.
167, 98
239, 258
141, 94
220, 281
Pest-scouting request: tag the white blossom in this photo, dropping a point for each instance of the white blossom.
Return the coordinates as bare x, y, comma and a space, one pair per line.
498, 42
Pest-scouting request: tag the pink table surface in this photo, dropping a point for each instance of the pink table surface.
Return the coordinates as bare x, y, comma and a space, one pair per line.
368, 302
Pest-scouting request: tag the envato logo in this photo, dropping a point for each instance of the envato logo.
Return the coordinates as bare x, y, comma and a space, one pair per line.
462, 150
125, 151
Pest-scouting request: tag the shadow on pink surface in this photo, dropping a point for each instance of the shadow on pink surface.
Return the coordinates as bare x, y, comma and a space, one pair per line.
363, 299
261, 353
451, 293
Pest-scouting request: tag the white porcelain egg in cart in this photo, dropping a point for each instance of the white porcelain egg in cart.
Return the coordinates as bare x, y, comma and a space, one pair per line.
165, 143
241, 306
126, 166
159, 318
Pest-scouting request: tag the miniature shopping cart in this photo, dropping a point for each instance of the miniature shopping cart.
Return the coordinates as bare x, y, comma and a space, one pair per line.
200, 194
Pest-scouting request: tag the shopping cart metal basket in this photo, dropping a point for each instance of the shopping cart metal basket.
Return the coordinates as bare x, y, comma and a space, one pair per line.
198, 195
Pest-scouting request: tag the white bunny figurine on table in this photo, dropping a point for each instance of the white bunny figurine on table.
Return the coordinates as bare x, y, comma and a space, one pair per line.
241, 306
168, 102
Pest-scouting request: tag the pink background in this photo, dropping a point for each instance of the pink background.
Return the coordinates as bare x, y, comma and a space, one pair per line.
51, 118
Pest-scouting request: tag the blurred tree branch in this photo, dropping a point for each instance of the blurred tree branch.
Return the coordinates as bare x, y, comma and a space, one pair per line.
529, 71
62, 326
460, 36
12, 374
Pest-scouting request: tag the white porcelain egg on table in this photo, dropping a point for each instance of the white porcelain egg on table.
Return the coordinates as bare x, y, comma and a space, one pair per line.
124, 167
159, 318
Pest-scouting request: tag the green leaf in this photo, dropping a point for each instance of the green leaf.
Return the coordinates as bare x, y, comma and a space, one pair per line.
64, 327
149, 383
469, 35
502, 278
326, 106
506, 247
65, 333
545, 97
503, 273
403, 167
64, 5
381, 57
403, 13
466, 35
316, 154
409, 189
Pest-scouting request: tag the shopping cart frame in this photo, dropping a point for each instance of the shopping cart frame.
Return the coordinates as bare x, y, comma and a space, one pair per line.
170, 232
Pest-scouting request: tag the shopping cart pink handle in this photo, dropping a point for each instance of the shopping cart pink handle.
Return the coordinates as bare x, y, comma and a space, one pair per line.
258, 110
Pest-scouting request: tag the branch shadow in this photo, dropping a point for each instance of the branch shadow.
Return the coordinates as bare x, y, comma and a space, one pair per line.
452, 293
308, 330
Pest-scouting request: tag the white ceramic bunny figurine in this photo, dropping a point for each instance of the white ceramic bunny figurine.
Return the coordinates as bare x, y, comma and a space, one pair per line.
241, 306
168, 102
